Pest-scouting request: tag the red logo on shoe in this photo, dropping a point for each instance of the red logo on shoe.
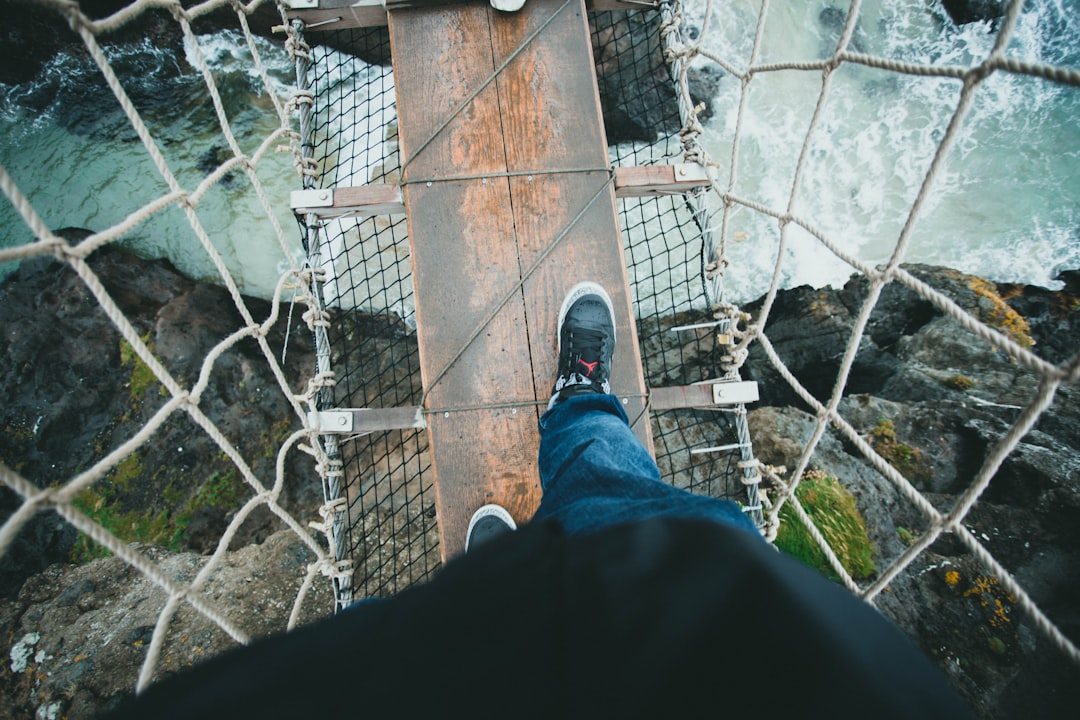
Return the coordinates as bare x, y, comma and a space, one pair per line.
591, 366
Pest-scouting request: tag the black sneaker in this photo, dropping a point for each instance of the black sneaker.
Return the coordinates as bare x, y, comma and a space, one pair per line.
488, 522
586, 333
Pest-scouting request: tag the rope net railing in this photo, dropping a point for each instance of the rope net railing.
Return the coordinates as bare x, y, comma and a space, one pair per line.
389, 524
182, 398
376, 529
684, 338
950, 520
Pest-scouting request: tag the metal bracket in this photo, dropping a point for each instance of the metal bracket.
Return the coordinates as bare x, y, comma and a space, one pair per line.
318, 198
704, 395
732, 393
365, 420
691, 172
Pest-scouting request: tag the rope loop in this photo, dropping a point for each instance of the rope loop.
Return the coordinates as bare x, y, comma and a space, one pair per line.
334, 569
754, 479
314, 317
333, 507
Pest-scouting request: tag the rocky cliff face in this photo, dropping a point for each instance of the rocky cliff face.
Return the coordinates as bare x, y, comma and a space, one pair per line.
930, 396
933, 399
76, 636
70, 391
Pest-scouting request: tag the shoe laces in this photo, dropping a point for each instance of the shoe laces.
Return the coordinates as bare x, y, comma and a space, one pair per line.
587, 353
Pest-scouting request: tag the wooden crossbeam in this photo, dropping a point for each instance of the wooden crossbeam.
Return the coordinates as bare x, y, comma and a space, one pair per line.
362, 200
349, 421
324, 15
647, 180
379, 198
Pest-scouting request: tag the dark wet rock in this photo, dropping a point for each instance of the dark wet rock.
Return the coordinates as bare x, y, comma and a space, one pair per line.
935, 400
637, 97
33, 33
704, 84
833, 20
963, 12
809, 329
72, 390
1053, 316
75, 638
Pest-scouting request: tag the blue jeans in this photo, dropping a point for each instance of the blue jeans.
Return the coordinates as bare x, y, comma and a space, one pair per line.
595, 472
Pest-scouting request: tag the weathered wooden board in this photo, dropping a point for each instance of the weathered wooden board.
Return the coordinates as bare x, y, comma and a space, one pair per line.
552, 123
476, 226
338, 14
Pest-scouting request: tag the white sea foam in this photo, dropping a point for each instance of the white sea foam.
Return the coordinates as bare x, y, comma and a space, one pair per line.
1004, 205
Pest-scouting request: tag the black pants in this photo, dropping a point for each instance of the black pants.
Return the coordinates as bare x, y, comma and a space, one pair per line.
661, 618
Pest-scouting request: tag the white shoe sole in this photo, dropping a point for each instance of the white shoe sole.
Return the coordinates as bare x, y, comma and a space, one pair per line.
497, 510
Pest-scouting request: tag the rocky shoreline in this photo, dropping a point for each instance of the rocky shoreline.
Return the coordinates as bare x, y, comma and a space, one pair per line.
72, 393
933, 398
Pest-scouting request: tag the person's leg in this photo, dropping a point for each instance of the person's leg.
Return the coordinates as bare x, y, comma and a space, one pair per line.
594, 472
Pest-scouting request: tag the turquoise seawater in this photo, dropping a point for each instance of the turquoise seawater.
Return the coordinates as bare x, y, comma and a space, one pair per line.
1007, 202
73, 153
1006, 206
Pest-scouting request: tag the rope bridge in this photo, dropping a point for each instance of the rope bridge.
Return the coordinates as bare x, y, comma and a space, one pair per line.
375, 533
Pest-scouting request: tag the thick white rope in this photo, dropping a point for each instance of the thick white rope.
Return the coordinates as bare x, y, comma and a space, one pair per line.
60, 498
827, 414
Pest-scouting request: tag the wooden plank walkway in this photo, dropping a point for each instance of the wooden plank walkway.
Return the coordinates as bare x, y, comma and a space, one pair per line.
510, 202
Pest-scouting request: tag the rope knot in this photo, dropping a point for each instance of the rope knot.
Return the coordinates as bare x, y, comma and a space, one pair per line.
314, 317
334, 569
332, 508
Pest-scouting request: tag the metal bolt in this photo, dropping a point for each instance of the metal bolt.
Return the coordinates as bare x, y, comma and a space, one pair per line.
530, 178
343, 421
626, 401
324, 195
446, 414
513, 411
429, 184
682, 170
485, 181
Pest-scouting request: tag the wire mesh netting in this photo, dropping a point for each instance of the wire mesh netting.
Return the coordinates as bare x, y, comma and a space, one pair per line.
390, 534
